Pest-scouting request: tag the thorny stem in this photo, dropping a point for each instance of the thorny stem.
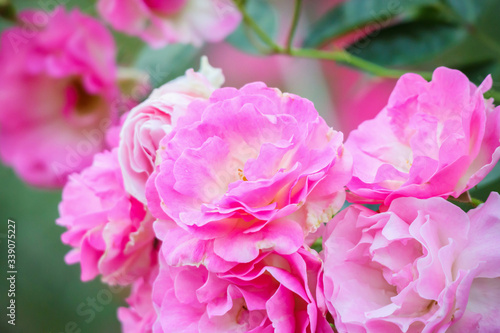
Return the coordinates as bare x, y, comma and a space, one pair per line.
7, 11
475, 202
249, 21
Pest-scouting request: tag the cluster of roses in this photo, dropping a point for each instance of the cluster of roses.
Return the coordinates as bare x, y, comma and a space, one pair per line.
208, 201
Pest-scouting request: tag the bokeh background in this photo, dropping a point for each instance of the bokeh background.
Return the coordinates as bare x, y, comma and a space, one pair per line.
49, 294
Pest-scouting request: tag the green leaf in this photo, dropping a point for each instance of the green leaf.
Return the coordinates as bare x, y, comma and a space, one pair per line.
355, 14
168, 63
477, 72
408, 43
43, 276
244, 38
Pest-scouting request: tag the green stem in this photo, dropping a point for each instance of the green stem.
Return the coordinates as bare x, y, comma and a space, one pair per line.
343, 56
249, 21
484, 38
255, 41
293, 27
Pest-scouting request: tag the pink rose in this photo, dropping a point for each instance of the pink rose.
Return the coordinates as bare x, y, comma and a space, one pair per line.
273, 293
150, 121
435, 138
164, 22
422, 266
111, 232
140, 316
57, 87
249, 170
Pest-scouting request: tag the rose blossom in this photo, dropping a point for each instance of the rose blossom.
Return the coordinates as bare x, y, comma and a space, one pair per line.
164, 22
250, 169
111, 232
140, 316
149, 122
57, 87
422, 266
435, 138
273, 293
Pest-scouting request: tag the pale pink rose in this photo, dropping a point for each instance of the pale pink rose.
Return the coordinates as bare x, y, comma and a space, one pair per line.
422, 266
181, 248
435, 138
164, 22
250, 169
150, 121
140, 316
110, 231
57, 89
355, 96
273, 293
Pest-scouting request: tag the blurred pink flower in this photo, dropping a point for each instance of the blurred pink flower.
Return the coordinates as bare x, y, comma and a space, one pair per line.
250, 169
140, 316
435, 138
355, 96
150, 121
111, 232
422, 266
57, 87
273, 293
164, 22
